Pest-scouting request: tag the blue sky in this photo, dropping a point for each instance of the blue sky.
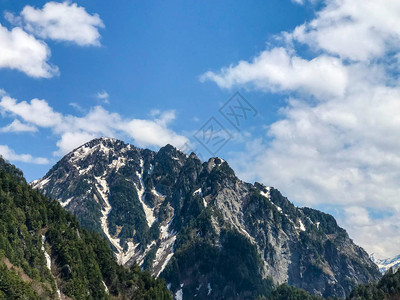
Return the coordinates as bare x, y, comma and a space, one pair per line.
151, 57
322, 77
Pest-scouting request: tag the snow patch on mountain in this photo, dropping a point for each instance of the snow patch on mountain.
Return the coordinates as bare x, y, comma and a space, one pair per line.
385, 264
84, 171
39, 184
140, 256
46, 255
48, 265
103, 190
301, 226
116, 164
198, 192
148, 211
122, 256
81, 153
157, 194
66, 202
105, 287
179, 293
166, 250
267, 194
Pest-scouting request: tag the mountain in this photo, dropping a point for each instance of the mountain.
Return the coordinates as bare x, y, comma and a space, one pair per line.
385, 264
195, 224
388, 288
45, 254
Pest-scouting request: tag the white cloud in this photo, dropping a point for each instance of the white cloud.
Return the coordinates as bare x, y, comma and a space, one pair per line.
13, 19
359, 216
76, 106
104, 96
97, 121
354, 29
72, 140
155, 132
17, 126
379, 236
36, 112
9, 154
74, 131
155, 112
278, 70
343, 149
63, 22
22, 51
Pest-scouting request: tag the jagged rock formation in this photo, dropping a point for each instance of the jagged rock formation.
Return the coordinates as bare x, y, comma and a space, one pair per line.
197, 225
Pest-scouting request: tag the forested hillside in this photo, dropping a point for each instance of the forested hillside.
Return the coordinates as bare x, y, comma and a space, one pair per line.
388, 288
45, 254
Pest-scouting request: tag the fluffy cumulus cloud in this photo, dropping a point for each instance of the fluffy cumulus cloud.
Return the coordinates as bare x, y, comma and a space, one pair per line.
356, 30
18, 126
74, 131
21, 47
344, 148
22, 51
72, 140
278, 70
156, 131
9, 154
36, 112
63, 22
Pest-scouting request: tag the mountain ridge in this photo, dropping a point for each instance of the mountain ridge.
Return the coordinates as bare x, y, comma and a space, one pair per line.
385, 264
164, 210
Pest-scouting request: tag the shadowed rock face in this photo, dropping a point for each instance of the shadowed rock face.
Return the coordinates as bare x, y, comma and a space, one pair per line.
200, 227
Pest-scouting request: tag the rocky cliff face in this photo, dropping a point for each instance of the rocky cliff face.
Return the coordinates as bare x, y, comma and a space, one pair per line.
200, 227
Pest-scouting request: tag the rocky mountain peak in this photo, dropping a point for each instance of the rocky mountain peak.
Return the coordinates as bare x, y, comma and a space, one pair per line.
176, 216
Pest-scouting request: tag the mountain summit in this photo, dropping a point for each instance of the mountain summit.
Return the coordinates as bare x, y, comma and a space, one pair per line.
208, 233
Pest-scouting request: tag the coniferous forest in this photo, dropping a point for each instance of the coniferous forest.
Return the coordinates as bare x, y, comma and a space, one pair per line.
82, 265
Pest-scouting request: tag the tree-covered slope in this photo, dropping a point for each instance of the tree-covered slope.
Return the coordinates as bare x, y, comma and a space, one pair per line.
388, 288
45, 254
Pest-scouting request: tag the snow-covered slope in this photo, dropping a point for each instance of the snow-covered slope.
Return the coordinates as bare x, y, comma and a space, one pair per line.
385, 264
